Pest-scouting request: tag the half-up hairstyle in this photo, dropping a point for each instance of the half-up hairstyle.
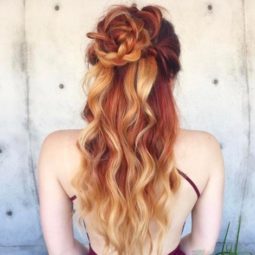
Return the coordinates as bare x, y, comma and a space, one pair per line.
128, 173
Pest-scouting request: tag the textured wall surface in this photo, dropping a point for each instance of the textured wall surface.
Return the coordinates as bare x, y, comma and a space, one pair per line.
42, 65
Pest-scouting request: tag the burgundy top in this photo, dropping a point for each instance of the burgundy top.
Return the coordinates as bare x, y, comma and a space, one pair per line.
177, 250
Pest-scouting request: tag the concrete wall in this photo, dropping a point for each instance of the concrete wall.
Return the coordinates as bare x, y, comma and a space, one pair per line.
42, 63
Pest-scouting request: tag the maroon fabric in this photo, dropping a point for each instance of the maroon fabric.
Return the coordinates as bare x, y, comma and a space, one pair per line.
190, 181
73, 197
176, 251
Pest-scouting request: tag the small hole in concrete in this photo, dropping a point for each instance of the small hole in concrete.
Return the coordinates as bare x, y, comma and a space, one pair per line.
209, 7
56, 7
221, 146
9, 213
61, 85
1, 150
215, 81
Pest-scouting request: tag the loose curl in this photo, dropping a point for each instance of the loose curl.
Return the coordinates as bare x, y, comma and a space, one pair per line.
128, 171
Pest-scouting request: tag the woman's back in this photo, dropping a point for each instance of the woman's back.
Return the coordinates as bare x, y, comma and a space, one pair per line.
192, 150
124, 163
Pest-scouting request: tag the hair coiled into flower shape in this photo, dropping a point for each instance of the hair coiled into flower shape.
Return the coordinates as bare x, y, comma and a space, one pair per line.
125, 36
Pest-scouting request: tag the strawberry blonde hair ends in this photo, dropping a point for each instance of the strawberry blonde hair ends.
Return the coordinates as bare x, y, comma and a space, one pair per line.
128, 173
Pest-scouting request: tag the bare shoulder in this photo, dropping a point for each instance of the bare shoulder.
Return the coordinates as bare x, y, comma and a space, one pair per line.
198, 137
61, 146
199, 154
62, 135
199, 141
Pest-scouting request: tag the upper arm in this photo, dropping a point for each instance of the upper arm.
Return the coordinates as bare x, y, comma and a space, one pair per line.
55, 207
207, 213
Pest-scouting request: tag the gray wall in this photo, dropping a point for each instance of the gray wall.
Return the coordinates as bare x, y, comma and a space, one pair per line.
43, 46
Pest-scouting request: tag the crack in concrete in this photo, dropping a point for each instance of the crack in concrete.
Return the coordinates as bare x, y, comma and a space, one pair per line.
24, 68
246, 74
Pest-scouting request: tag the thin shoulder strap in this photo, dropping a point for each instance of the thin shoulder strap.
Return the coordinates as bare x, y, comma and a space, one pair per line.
72, 198
87, 233
190, 181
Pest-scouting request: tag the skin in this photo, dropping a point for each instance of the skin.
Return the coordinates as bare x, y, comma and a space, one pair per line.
198, 154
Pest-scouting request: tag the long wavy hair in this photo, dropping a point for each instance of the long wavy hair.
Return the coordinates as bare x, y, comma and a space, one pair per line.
128, 174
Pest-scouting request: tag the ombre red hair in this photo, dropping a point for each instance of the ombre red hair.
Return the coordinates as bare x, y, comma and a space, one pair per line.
128, 171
